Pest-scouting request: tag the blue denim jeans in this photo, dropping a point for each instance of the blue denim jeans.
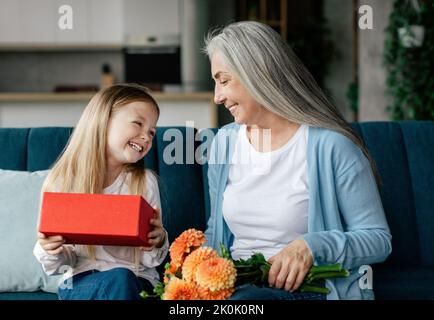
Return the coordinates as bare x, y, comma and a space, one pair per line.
114, 284
252, 292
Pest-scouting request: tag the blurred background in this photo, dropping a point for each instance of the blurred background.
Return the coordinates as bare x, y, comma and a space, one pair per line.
48, 73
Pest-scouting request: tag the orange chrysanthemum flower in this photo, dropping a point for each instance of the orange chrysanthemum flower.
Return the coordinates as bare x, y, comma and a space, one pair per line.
193, 260
169, 272
206, 294
184, 244
178, 289
216, 274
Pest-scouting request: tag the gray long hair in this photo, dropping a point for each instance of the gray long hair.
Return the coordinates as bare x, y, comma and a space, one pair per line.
277, 79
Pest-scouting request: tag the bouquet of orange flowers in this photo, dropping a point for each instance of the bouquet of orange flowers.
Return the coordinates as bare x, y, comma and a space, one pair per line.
200, 273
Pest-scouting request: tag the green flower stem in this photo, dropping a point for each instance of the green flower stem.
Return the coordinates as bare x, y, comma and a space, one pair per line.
313, 289
253, 277
326, 275
251, 273
145, 295
327, 268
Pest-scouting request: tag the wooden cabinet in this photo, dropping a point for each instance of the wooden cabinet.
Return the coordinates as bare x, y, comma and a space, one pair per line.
37, 20
81, 19
29, 22
10, 30
271, 12
95, 22
106, 23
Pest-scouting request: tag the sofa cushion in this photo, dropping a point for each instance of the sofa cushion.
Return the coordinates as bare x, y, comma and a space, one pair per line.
206, 137
151, 158
13, 146
398, 283
181, 184
19, 210
387, 146
41, 155
419, 141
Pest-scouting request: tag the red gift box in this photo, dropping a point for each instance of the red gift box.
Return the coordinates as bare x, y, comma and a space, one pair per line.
96, 219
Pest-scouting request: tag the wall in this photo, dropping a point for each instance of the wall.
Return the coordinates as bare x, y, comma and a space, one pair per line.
194, 15
339, 15
224, 13
197, 18
373, 99
372, 74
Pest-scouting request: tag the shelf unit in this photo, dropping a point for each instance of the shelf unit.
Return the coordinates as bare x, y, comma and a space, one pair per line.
271, 12
59, 47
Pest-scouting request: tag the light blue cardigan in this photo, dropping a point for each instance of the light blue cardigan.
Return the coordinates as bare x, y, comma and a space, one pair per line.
346, 221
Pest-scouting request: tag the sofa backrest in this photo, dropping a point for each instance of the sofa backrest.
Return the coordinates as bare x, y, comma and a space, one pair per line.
181, 185
404, 154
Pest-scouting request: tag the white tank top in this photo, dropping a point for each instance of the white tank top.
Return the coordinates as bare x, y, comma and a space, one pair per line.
265, 203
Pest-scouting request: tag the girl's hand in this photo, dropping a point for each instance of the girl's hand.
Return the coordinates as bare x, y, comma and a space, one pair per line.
51, 245
157, 236
290, 266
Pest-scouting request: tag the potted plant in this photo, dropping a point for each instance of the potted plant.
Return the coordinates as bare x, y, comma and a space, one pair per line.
412, 35
408, 52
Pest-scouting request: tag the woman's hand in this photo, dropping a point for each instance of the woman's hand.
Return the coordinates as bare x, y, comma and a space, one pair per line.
290, 266
51, 245
157, 236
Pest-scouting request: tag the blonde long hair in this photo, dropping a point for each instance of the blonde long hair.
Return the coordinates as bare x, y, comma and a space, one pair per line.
277, 79
79, 167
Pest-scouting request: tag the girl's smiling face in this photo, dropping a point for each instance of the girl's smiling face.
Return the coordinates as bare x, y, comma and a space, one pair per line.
130, 132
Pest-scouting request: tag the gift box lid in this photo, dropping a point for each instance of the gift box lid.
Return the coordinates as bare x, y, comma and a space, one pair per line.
96, 219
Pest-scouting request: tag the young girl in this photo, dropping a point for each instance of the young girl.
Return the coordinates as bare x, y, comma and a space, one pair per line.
103, 156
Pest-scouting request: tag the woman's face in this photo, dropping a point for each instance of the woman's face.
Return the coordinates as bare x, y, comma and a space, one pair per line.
130, 132
232, 94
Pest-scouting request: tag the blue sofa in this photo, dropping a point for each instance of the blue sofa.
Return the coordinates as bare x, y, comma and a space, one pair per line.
404, 153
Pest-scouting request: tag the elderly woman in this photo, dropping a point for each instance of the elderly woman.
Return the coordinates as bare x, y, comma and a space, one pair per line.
289, 178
